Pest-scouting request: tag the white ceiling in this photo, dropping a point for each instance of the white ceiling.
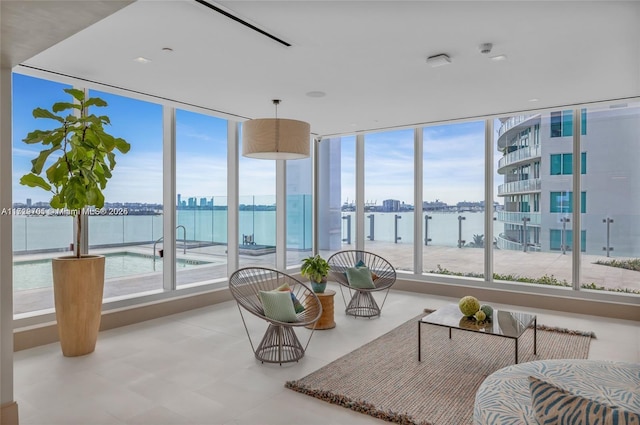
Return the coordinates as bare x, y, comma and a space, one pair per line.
369, 57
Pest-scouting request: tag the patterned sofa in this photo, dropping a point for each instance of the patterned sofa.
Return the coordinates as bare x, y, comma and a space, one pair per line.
504, 396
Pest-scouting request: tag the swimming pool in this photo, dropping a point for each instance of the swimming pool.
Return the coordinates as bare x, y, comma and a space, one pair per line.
37, 273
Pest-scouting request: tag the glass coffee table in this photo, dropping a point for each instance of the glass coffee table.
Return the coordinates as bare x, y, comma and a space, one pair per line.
507, 324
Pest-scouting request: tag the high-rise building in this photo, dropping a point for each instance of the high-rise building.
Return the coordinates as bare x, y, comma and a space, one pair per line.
537, 166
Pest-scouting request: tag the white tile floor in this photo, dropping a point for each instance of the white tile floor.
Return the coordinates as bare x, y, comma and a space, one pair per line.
197, 368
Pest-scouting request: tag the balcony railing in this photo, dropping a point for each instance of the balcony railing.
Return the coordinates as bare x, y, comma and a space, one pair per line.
522, 186
512, 122
517, 217
519, 155
506, 244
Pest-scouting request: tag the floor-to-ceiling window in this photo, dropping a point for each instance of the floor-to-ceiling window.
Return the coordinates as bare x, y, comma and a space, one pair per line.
534, 189
299, 210
534, 208
610, 182
257, 215
38, 233
537, 243
336, 203
201, 202
132, 220
453, 199
388, 195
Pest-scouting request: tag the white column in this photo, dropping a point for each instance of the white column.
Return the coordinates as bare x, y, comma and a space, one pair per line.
281, 215
488, 200
418, 182
577, 200
233, 197
169, 197
359, 243
327, 197
8, 407
315, 196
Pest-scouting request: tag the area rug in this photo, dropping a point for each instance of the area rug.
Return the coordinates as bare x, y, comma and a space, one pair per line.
384, 379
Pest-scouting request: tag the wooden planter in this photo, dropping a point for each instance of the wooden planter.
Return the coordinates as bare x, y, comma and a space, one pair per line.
78, 284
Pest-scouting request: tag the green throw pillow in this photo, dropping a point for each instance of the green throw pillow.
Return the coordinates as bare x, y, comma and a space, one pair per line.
358, 265
277, 305
297, 305
360, 278
553, 405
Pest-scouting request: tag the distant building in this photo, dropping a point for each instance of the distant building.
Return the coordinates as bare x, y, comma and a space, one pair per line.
470, 206
537, 165
390, 205
437, 205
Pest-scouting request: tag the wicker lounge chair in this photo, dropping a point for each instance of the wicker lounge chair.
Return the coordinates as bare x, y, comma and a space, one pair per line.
279, 343
362, 303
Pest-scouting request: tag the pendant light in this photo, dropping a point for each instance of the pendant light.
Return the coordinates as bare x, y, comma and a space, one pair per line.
275, 138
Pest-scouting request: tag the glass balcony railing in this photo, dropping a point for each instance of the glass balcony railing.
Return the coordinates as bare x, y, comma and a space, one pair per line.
522, 154
506, 244
512, 122
522, 186
518, 217
450, 229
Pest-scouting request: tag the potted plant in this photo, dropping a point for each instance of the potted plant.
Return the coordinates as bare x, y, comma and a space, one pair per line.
79, 156
316, 270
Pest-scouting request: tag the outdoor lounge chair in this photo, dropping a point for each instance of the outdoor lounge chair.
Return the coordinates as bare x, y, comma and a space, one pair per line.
383, 276
279, 343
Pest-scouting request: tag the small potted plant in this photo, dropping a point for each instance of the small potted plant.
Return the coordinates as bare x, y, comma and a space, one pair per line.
316, 270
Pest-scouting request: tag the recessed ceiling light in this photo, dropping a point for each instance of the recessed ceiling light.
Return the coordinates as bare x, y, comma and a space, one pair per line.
140, 59
533, 99
316, 94
498, 58
438, 60
167, 49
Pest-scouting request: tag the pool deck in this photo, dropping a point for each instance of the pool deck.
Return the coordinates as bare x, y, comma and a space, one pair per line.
465, 260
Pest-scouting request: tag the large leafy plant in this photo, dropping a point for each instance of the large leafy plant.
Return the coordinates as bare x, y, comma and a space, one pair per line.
79, 156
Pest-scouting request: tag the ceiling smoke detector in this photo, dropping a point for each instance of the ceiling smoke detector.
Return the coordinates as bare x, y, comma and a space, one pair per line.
438, 60
485, 48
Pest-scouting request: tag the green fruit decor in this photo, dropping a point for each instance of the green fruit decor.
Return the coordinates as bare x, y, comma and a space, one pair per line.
488, 310
480, 316
469, 305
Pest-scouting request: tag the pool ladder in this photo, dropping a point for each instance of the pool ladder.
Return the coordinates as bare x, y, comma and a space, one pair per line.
184, 243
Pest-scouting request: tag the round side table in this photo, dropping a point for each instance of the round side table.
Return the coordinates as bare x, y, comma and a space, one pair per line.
326, 320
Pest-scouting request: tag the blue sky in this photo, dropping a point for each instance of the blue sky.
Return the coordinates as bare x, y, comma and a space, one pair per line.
453, 155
